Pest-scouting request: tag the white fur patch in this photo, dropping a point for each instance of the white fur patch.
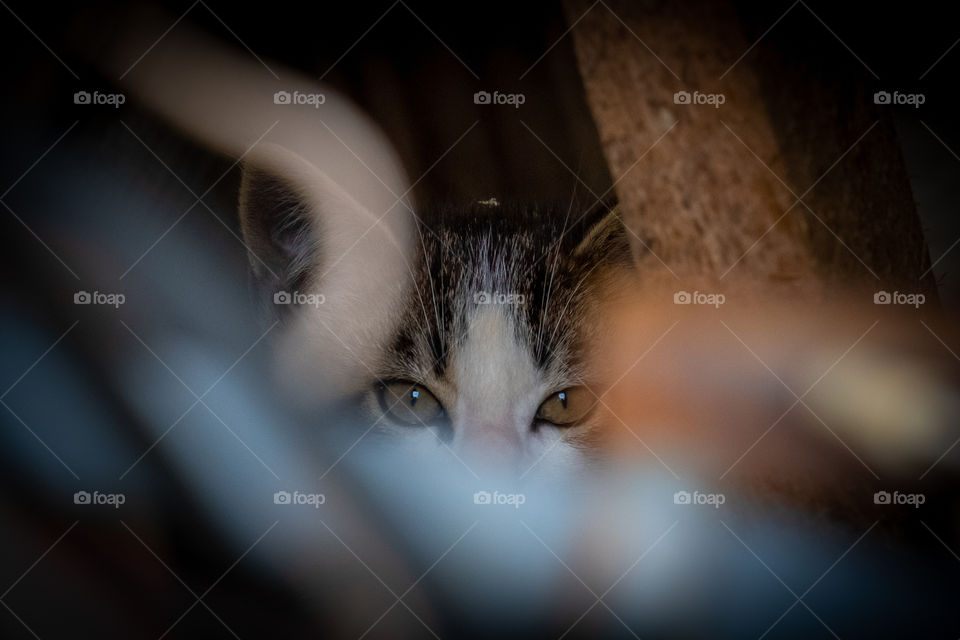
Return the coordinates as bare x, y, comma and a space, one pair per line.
498, 391
495, 376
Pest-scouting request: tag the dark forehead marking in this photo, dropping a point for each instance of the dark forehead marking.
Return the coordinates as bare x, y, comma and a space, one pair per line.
404, 346
524, 237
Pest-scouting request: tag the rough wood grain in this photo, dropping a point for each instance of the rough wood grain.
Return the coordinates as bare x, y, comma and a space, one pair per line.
715, 193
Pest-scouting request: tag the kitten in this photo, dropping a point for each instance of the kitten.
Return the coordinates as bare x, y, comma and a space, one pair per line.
467, 327
485, 346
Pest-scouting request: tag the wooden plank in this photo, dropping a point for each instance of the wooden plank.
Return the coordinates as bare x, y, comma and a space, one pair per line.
713, 191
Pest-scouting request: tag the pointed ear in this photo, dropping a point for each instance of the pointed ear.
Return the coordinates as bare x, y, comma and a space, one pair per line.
308, 237
297, 223
606, 240
275, 222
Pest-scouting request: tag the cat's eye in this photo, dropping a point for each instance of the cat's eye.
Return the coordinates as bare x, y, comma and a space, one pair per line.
408, 403
566, 407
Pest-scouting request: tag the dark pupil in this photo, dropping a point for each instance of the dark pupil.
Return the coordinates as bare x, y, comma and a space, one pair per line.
414, 396
563, 399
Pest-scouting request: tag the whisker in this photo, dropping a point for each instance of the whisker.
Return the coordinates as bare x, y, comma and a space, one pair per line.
553, 270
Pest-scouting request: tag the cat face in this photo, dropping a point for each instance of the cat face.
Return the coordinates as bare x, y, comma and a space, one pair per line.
491, 353
480, 342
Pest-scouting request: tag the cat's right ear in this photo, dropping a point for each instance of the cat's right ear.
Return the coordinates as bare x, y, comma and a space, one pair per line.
277, 219
335, 270
302, 230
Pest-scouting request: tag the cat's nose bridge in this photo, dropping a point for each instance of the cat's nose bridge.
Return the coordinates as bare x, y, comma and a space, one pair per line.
489, 442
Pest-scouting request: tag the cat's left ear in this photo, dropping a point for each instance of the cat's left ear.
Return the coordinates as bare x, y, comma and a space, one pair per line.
607, 240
